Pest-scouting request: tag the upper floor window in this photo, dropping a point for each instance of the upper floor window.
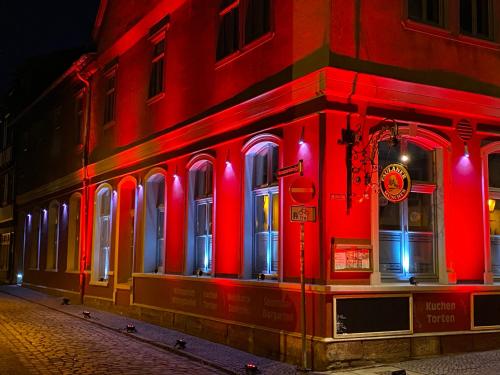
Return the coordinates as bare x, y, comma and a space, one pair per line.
110, 98
157, 67
241, 22
494, 209
475, 18
426, 11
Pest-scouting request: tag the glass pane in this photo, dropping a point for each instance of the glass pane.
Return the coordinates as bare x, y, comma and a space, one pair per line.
200, 252
76, 242
228, 38
201, 219
257, 19
274, 166
494, 209
420, 216
483, 18
261, 253
274, 252
389, 214
209, 217
494, 170
261, 213
390, 248
415, 9
104, 263
421, 163
421, 253
466, 16
433, 11
260, 170
105, 231
495, 254
276, 212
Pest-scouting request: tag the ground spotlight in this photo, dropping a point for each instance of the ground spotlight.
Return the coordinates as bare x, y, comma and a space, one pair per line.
251, 368
65, 301
180, 344
412, 280
261, 276
131, 328
86, 314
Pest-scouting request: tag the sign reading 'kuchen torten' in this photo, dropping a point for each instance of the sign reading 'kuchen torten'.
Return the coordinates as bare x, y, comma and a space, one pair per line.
395, 183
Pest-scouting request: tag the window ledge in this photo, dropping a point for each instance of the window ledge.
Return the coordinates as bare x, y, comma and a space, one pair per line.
441, 32
72, 271
155, 98
244, 50
99, 283
51, 270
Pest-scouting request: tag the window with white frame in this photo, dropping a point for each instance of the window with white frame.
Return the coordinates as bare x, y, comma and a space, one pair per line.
407, 230
262, 210
102, 235
240, 23
73, 257
200, 217
154, 232
494, 210
53, 236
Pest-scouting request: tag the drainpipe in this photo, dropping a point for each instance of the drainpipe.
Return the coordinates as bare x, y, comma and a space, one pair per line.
85, 183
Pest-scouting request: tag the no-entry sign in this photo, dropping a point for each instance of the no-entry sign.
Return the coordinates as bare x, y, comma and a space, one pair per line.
302, 190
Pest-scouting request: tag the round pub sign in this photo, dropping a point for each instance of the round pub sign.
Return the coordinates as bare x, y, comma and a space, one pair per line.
395, 183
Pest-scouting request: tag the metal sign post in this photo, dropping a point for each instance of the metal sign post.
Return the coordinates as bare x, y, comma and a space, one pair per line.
302, 214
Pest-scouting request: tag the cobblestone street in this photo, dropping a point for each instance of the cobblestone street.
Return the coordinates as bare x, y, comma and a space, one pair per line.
37, 340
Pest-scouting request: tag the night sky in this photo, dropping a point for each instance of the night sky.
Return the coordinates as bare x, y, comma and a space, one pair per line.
32, 28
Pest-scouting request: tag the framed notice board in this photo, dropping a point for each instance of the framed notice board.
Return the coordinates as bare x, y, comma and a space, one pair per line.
372, 315
351, 255
485, 310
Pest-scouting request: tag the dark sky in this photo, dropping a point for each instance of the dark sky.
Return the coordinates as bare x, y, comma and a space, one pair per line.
31, 28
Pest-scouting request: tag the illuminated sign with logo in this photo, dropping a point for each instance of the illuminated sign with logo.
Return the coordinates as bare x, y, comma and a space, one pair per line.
395, 183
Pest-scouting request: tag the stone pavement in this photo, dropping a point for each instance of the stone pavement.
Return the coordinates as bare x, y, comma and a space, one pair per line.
40, 335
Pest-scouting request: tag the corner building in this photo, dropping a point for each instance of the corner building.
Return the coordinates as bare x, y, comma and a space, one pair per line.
170, 206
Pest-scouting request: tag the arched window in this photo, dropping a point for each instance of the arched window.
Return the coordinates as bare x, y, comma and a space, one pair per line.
261, 210
494, 210
53, 237
408, 229
200, 213
73, 257
35, 234
154, 231
102, 234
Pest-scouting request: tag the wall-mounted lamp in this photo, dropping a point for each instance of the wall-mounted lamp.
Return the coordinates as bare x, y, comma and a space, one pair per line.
301, 138
466, 150
491, 205
44, 211
175, 173
228, 161
405, 158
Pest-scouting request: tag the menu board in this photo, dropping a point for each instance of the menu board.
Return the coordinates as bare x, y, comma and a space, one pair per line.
355, 255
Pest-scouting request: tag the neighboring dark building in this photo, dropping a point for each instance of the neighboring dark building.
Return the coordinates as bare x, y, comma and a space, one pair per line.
150, 176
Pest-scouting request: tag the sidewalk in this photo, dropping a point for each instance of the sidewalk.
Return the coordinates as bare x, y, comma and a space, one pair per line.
221, 357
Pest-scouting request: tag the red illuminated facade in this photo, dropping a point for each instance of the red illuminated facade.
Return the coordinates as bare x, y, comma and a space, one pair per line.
159, 194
